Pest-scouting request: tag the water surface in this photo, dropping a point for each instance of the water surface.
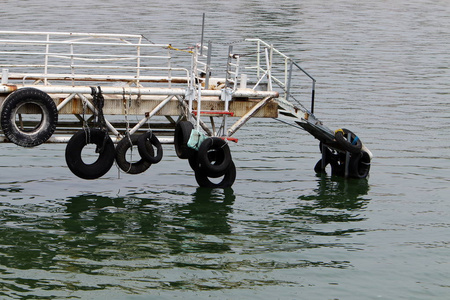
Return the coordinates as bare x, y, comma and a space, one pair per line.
281, 232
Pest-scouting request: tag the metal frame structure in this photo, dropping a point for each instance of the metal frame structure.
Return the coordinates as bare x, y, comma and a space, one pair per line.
142, 79
67, 74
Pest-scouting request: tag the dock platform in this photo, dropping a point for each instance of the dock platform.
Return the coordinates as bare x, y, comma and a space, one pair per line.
121, 91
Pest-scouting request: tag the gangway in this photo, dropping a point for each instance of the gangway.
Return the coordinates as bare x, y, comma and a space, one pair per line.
120, 91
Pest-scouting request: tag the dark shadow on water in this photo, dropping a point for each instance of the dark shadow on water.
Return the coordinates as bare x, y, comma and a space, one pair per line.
338, 192
96, 228
210, 208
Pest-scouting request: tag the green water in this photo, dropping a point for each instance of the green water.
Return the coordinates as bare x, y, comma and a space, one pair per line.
281, 232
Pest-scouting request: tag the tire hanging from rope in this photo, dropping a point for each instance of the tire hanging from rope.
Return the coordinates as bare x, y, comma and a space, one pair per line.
214, 157
104, 148
181, 137
145, 141
98, 136
137, 167
225, 182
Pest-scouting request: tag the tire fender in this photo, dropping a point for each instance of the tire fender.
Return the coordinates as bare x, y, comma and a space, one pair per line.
359, 165
348, 140
227, 181
145, 141
105, 148
214, 157
181, 138
121, 151
42, 131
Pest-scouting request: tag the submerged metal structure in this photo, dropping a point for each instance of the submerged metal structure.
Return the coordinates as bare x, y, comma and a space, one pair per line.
121, 91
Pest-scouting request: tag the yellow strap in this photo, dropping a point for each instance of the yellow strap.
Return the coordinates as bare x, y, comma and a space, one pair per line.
176, 49
339, 130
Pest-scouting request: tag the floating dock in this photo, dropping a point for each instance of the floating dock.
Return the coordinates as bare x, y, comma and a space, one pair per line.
121, 91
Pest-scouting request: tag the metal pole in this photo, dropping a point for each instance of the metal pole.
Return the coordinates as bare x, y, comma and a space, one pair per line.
347, 158
208, 63
5, 75
227, 75
203, 31
47, 50
313, 94
288, 87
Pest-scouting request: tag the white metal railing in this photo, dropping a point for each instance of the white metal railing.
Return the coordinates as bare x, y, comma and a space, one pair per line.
277, 71
77, 56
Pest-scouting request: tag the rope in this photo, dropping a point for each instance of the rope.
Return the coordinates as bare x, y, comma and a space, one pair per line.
147, 39
99, 102
231, 43
127, 129
176, 49
85, 124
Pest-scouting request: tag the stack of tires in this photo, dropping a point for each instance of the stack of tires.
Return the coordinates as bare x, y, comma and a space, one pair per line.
212, 163
346, 149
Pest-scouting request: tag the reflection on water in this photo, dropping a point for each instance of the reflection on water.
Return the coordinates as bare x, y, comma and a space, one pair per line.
165, 244
335, 194
382, 71
92, 234
335, 200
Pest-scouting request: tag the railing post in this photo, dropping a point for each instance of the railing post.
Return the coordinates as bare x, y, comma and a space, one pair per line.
138, 62
208, 63
203, 32
288, 85
227, 75
47, 49
313, 94
258, 58
5, 75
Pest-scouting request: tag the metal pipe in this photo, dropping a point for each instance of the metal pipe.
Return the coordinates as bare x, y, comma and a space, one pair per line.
203, 31
208, 65
42, 43
65, 101
240, 93
313, 94
71, 34
248, 115
5, 75
115, 139
151, 114
288, 87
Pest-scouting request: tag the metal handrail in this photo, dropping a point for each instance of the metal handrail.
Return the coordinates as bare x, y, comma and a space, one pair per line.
285, 81
56, 51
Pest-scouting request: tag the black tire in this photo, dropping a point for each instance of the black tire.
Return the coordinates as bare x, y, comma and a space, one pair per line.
105, 148
226, 182
193, 162
318, 168
121, 160
330, 158
144, 141
37, 134
351, 144
359, 165
181, 138
214, 157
